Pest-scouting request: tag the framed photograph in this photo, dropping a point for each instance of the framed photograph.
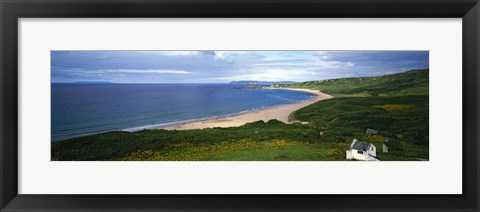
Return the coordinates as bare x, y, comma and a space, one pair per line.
239, 105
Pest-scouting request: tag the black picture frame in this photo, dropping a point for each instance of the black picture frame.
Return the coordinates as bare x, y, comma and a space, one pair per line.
12, 10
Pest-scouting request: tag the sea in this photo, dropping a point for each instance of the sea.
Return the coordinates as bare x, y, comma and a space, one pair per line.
85, 109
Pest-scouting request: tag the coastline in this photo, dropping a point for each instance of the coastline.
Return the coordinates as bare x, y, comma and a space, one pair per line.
280, 113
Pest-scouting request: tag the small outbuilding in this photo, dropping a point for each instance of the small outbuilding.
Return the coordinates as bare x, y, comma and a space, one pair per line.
360, 150
371, 131
385, 148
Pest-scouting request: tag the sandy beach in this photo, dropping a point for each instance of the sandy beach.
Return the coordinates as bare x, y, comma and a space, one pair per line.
280, 113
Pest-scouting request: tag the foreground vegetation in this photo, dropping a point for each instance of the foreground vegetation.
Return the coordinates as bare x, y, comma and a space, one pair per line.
394, 105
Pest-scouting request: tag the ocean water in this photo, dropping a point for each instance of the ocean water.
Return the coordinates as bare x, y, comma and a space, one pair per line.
84, 109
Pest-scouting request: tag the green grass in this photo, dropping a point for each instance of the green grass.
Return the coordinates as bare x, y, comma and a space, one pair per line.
413, 82
111, 145
343, 118
394, 105
297, 152
242, 150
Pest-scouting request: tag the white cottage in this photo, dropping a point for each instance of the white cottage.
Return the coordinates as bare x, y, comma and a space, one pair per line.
360, 150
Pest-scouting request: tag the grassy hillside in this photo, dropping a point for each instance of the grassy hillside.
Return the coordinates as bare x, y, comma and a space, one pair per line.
115, 145
413, 82
394, 105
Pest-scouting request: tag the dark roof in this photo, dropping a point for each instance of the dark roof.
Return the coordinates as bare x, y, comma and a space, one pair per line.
360, 145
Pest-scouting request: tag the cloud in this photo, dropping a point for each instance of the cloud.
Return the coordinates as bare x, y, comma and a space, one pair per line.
175, 53
208, 53
139, 71
221, 56
133, 71
321, 54
267, 75
224, 66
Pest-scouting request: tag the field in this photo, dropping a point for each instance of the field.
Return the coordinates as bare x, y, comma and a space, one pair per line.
396, 106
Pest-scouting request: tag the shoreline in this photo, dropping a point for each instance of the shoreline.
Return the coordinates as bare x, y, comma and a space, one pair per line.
280, 113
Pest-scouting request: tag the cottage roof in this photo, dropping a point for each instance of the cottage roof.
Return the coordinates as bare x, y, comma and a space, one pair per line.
360, 145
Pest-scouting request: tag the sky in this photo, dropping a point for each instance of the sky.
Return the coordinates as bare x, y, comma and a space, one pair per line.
227, 66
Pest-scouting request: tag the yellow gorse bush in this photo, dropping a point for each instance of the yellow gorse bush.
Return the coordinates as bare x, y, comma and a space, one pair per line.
390, 107
192, 152
373, 138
